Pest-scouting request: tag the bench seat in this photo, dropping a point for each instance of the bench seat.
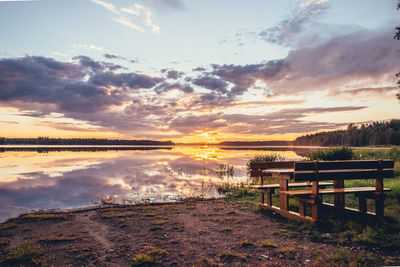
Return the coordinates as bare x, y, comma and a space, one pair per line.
276, 186
333, 191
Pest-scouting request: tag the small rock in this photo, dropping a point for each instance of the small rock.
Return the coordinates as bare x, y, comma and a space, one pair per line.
265, 257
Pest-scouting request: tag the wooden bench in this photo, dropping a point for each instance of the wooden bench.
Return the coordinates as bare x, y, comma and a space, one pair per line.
313, 177
260, 171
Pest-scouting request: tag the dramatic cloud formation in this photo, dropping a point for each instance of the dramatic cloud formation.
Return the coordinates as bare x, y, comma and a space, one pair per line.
104, 95
364, 56
62, 85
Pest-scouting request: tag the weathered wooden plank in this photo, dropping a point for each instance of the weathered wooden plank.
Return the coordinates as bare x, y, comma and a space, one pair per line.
345, 164
288, 214
342, 175
332, 191
294, 185
272, 165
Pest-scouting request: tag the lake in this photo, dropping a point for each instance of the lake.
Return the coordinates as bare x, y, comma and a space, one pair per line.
74, 177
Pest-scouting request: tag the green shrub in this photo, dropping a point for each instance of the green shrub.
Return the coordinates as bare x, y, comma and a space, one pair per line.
270, 157
336, 153
26, 255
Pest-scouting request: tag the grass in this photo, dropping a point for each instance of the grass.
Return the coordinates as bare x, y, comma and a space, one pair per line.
6, 226
205, 262
287, 251
153, 256
231, 256
143, 260
60, 238
267, 244
112, 214
44, 216
246, 243
340, 257
158, 223
25, 255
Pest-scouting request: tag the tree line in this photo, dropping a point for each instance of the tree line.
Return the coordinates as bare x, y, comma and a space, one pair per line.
80, 141
374, 134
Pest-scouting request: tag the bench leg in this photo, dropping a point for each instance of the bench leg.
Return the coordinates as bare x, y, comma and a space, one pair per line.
338, 199
315, 209
269, 197
362, 204
283, 199
302, 208
261, 197
379, 205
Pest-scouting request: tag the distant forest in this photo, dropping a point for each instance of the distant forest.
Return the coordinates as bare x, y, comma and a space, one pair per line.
374, 134
256, 143
79, 141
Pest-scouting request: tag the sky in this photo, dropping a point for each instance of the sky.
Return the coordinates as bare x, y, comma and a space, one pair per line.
195, 71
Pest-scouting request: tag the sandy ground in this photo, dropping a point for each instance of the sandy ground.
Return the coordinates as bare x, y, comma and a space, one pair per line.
191, 233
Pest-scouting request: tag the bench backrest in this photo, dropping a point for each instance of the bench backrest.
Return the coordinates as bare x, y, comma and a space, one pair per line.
257, 167
343, 170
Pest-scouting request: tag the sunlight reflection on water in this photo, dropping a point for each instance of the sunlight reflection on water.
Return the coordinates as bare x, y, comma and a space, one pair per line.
64, 179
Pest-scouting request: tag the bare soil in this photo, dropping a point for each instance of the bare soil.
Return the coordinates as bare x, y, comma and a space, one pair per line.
191, 233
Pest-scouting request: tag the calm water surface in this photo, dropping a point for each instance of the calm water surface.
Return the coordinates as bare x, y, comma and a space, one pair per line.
45, 179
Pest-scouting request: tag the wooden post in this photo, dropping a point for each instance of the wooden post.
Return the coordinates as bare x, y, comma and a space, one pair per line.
283, 198
315, 192
338, 199
315, 210
379, 197
302, 209
314, 186
269, 196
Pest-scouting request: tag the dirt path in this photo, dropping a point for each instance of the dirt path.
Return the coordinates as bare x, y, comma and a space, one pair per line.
193, 233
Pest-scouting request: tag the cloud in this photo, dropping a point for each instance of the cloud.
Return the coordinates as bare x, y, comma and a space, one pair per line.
172, 74
109, 56
128, 22
126, 15
136, 104
64, 87
172, 4
211, 83
106, 5
312, 2
165, 87
364, 56
88, 47
287, 31
280, 122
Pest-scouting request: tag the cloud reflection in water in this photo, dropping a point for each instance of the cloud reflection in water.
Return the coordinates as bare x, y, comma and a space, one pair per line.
59, 180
